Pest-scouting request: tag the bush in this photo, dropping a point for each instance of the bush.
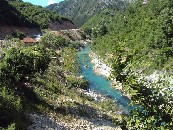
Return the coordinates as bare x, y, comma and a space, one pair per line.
11, 110
22, 63
18, 34
74, 82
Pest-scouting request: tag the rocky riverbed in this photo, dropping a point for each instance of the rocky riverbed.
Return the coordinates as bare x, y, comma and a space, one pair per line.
99, 66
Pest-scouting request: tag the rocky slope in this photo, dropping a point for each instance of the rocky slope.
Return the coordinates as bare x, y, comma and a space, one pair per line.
6, 29
43, 122
82, 117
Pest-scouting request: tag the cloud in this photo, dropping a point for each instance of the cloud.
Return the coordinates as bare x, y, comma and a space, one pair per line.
51, 2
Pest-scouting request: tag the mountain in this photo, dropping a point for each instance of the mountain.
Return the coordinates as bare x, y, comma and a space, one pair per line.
79, 11
15, 13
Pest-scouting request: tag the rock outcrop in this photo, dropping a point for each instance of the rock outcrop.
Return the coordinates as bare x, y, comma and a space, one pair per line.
54, 26
8, 30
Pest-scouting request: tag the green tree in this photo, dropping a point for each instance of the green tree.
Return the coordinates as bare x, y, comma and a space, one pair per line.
69, 59
54, 42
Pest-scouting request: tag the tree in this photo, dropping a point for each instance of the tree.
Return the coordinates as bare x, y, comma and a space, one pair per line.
54, 42
102, 30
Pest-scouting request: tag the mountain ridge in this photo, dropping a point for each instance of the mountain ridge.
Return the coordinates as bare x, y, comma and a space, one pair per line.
79, 11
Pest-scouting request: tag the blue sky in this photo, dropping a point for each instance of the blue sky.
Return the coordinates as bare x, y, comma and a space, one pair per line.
42, 2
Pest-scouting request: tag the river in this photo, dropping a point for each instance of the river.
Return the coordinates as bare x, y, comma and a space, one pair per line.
99, 83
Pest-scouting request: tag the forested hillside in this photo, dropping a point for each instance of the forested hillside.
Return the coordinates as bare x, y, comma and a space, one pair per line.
138, 44
79, 11
102, 18
20, 13
97, 25
142, 31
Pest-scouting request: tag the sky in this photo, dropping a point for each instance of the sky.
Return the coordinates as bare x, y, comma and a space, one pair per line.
42, 2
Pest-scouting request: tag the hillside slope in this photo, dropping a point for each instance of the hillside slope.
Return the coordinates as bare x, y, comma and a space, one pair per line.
25, 15
79, 11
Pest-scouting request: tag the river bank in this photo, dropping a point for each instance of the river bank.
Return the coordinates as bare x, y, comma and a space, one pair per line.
100, 68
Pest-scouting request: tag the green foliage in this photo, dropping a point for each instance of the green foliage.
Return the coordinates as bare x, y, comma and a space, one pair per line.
52, 79
30, 74
77, 83
11, 109
36, 14
70, 62
99, 21
146, 38
154, 110
18, 34
108, 105
54, 42
11, 127
99, 31
10, 15
19, 64
87, 31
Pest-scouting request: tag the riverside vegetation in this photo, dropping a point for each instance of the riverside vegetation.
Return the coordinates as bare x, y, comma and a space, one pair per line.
139, 43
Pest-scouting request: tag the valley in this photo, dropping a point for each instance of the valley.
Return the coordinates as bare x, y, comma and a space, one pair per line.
86, 65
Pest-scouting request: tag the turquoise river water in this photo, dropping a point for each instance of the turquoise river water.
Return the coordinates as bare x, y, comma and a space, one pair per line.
99, 83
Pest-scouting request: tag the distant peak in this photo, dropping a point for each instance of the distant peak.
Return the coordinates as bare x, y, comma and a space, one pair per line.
145, 1
51, 2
